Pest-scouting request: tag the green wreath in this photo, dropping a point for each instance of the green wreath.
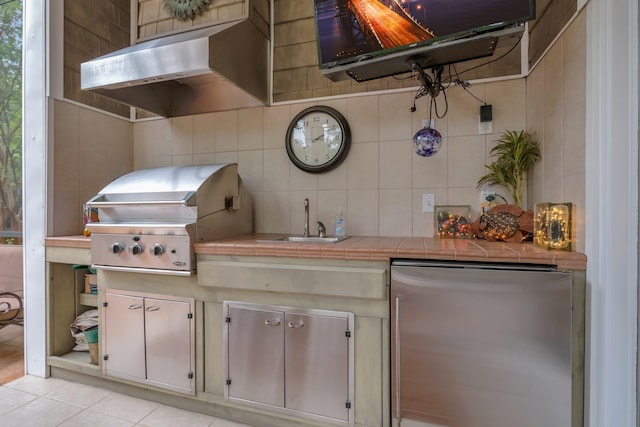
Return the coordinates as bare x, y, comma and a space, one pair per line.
185, 9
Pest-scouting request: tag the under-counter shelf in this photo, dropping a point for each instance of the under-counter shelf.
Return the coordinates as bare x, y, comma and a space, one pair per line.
79, 361
89, 299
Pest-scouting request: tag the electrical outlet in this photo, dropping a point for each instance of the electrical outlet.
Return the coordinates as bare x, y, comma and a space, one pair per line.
484, 127
428, 202
429, 123
487, 199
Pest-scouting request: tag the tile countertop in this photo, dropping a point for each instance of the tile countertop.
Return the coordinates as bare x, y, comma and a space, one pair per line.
375, 249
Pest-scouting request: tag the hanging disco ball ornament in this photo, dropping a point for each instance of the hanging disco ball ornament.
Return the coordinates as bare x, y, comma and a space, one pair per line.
428, 142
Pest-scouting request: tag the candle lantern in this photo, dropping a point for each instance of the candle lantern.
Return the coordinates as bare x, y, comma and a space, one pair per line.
552, 227
453, 222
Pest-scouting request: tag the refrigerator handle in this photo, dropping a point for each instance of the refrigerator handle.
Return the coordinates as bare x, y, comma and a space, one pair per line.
397, 350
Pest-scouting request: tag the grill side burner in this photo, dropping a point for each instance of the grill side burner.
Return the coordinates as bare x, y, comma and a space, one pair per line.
150, 219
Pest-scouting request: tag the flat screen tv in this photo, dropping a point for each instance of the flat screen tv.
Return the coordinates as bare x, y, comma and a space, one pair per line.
368, 39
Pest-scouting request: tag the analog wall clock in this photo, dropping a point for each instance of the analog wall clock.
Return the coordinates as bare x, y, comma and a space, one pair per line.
318, 139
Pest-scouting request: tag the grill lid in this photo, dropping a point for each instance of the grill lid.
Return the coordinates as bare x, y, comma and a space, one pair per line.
169, 193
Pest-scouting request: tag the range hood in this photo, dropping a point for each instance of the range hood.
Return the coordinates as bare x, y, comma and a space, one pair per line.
217, 68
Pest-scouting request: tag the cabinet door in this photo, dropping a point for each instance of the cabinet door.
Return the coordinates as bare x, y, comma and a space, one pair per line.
168, 327
256, 355
124, 336
317, 364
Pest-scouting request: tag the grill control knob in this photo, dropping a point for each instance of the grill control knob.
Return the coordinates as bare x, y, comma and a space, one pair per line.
116, 248
158, 249
137, 248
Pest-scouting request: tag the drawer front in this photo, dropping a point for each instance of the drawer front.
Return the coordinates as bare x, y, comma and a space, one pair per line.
325, 280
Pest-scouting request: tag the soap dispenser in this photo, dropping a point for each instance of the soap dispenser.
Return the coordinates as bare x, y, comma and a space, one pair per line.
339, 223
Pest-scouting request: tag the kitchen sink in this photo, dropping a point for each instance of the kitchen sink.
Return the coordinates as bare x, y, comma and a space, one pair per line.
310, 239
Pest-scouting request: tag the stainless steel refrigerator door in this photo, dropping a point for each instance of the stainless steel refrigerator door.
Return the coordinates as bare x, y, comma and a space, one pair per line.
480, 347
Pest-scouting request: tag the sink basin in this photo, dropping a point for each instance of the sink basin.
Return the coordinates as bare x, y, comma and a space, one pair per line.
310, 239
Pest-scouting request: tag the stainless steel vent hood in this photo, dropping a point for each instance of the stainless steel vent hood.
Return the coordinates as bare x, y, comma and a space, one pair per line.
217, 68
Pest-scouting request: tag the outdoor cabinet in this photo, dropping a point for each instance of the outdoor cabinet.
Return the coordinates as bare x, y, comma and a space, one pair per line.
149, 338
293, 360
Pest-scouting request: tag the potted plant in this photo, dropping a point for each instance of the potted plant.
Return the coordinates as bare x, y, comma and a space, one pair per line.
515, 153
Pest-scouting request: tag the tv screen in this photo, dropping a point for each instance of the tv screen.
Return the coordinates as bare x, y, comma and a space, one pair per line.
352, 31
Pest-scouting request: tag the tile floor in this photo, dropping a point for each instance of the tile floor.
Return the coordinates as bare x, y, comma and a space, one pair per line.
33, 401
29, 401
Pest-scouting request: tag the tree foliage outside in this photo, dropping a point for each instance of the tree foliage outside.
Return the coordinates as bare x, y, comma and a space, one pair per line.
10, 116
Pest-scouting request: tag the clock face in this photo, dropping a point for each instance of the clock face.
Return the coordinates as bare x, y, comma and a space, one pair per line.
317, 139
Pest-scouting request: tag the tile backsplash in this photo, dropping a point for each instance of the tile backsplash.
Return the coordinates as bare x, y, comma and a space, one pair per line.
380, 184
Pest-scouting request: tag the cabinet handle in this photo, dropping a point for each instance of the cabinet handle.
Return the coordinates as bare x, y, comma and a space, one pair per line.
153, 308
272, 322
298, 324
135, 306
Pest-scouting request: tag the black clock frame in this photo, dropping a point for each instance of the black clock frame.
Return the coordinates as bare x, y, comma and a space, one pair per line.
342, 152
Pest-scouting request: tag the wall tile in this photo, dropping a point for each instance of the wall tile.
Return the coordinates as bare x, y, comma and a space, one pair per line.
362, 114
276, 170
431, 171
300, 180
250, 126
362, 164
552, 147
90, 149
466, 160
276, 211
508, 100
160, 161
276, 121
553, 78
203, 134
395, 213
395, 164
182, 160
395, 116
464, 110
225, 131
203, 159
574, 65
573, 138
226, 157
535, 100
66, 146
335, 179
258, 213
251, 169
362, 216
182, 135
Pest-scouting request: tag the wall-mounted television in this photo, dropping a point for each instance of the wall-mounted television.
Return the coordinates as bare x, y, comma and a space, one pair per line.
368, 39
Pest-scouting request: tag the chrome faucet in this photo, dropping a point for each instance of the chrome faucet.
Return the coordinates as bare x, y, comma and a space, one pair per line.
322, 230
306, 218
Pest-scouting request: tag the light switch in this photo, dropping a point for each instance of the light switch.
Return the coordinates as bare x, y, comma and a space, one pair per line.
428, 201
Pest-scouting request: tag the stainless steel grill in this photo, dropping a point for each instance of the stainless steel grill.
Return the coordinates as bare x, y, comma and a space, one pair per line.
150, 218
